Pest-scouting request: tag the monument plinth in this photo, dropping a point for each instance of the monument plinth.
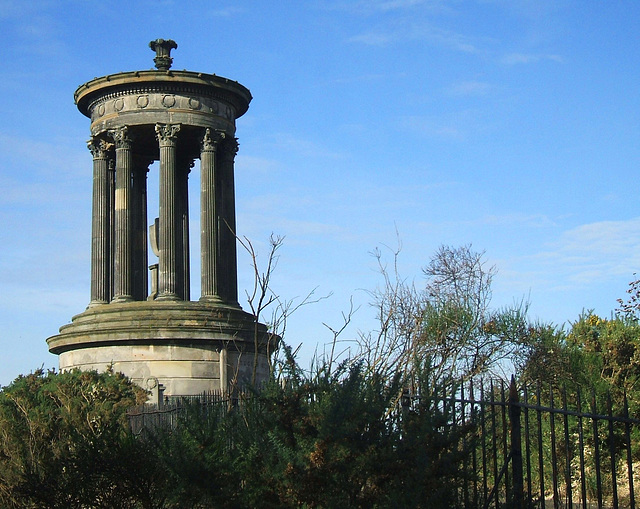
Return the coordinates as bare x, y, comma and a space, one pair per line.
160, 336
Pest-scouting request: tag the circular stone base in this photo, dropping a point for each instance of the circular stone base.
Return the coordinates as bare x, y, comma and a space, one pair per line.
187, 348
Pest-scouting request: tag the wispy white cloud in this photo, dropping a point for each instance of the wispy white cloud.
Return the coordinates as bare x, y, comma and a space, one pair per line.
454, 129
448, 38
303, 147
590, 253
255, 165
296, 231
517, 220
529, 58
226, 11
49, 157
614, 239
379, 39
19, 8
412, 30
364, 78
32, 28
369, 7
469, 88
388, 5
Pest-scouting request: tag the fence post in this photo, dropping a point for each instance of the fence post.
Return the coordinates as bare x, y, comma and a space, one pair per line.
516, 445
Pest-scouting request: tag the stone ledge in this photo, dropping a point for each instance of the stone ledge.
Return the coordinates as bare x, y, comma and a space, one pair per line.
177, 322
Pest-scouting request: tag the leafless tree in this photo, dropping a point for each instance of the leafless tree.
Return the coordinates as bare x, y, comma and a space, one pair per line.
447, 324
630, 308
262, 297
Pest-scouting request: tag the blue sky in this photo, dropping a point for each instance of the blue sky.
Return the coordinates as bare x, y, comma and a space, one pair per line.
512, 126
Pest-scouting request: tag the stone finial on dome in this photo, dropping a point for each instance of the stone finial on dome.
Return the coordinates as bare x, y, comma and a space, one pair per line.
163, 48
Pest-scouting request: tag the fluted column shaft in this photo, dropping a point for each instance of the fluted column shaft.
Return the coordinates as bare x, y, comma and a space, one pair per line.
100, 223
208, 217
112, 221
227, 270
123, 277
183, 219
139, 206
170, 255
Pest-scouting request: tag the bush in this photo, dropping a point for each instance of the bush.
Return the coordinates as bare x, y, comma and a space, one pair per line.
65, 440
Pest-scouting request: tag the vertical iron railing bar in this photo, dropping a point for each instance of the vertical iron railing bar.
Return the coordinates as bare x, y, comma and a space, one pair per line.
540, 449
612, 453
583, 477
596, 449
466, 409
515, 412
567, 451
450, 409
494, 491
465, 448
505, 444
527, 442
627, 437
474, 448
554, 456
494, 442
485, 489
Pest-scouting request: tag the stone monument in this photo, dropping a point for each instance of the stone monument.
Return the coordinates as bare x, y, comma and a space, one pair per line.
160, 338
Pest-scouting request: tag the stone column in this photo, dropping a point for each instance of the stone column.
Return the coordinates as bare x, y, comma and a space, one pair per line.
139, 207
208, 217
183, 220
100, 223
170, 256
123, 277
112, 222
227, 270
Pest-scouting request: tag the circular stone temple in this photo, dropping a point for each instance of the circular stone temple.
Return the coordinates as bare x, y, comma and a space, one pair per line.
140, 320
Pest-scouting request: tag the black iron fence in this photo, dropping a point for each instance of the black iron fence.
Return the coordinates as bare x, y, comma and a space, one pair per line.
167, 414
528, 450
533, 448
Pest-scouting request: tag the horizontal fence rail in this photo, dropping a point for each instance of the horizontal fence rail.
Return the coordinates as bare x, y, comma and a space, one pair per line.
167, 415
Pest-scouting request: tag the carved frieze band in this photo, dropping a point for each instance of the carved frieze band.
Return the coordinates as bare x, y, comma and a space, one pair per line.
142, 101
160, 100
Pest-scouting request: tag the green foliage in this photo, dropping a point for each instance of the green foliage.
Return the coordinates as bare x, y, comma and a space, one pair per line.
552, 359
613, 347
324, 442
64, 440
333, 438
336, 437
596, 354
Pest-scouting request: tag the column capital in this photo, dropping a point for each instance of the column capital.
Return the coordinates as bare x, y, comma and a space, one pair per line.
121, 137
99, 147
230, 145
167, 134
211, 138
